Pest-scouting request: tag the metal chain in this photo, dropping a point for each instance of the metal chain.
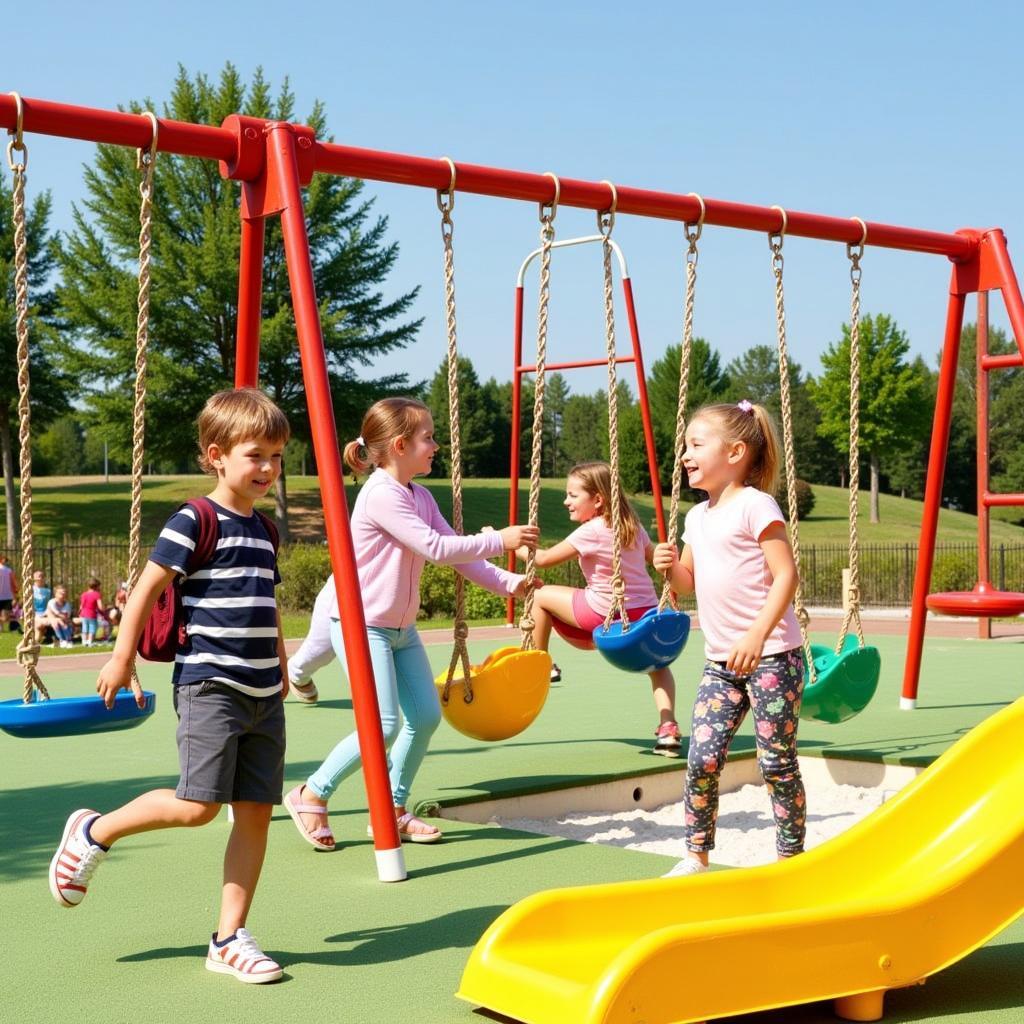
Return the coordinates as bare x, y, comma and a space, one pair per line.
692, 236
854, 254
605, 223
547, 238
460, 651
28, 646
775, 240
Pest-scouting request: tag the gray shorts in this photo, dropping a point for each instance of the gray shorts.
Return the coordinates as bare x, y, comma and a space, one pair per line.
230, 745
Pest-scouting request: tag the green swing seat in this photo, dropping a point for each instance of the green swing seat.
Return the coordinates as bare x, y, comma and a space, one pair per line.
845, 682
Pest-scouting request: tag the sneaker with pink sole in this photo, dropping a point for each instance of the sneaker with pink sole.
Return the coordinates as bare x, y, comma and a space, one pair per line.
241, 956
75, 861
668, 741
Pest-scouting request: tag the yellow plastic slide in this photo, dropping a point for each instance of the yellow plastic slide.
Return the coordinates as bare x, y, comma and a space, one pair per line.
929, 877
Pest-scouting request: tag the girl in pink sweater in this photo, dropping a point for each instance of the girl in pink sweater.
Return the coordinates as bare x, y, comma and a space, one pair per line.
396, 528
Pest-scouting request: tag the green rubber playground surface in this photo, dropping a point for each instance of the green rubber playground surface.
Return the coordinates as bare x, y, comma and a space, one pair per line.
357, 950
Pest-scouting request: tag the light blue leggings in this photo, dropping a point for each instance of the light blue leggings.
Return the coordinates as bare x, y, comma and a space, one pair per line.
404, 681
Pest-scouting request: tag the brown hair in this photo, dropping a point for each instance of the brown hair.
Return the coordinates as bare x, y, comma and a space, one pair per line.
596, 479
93, 584
753, 425
236, 415
384, 421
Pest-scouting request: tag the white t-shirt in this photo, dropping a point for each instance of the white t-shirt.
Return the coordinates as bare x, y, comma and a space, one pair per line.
593, 541
731, 575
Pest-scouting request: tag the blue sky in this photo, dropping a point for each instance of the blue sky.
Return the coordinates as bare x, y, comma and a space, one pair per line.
906, 113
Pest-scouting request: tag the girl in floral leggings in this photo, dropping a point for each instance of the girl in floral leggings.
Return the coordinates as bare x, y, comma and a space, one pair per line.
736, 556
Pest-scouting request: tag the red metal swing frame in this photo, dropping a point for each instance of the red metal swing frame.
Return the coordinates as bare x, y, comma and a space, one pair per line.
274, 160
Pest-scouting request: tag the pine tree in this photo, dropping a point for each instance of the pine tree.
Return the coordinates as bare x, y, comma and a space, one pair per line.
51, 386
196, 240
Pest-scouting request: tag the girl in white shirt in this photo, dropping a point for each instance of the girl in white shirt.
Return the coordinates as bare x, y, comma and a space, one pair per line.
736, 555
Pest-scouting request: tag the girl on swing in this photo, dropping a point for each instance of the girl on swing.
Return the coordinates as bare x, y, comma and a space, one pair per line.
588, 498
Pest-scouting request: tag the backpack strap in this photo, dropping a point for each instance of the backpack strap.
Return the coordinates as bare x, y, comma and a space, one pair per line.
206, 539
271, 527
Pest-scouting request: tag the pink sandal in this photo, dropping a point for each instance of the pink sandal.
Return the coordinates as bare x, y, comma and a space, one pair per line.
403, 823
294, 808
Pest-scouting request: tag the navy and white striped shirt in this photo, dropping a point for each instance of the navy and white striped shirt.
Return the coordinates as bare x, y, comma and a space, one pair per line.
230, 609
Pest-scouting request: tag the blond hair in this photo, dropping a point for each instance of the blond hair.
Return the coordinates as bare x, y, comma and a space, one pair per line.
596, 479
384, 421
236, 415
752, 425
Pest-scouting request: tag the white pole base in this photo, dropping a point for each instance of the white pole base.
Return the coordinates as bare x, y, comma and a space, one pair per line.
908, 703
390, 865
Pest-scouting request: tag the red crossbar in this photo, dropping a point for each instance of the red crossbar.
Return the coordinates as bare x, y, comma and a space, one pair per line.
47, 118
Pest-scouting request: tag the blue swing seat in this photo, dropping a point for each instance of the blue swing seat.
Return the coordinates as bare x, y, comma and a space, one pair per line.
73, 716
653, 641
845, 682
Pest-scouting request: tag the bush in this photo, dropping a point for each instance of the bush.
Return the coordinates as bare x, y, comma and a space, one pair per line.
304, 569
804, 500
437, 596
954, 570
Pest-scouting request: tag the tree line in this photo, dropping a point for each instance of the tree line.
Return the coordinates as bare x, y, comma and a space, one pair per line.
82, 286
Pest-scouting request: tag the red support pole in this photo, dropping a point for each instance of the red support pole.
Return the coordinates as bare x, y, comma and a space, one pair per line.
932, 497
513, 476
981, 346
283, 174
250, 302
645, 409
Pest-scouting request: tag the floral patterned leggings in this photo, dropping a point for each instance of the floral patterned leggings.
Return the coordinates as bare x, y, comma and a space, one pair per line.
773, 691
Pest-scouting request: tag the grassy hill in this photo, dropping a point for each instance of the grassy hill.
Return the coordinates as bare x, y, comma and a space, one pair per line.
88, 507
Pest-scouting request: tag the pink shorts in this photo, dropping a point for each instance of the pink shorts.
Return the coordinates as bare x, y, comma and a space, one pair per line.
589, 620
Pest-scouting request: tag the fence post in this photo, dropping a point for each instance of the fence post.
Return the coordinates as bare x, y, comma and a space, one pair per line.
1002, 566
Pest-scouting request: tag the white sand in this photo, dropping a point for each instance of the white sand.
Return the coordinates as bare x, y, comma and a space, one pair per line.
746, 831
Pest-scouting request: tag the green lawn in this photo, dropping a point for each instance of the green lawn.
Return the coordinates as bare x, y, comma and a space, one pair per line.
88, 507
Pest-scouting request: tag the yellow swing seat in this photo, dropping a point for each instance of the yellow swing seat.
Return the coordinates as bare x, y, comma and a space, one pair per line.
509, 690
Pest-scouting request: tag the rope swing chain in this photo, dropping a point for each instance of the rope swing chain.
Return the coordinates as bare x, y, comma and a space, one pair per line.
775, 241
548, 212
460, 652
852, 614
692, 233
28, 646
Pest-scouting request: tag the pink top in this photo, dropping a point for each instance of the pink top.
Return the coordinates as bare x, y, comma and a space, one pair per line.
89, 604
730, 572
593, 540
395, 530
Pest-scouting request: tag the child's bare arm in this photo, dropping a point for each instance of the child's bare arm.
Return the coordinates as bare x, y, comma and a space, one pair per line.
563, 551
116, 674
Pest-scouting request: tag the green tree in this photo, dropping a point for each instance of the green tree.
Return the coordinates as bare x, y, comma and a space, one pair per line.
583, 436
893, 393
755, 376
196, 240
60, 449
556, 394
476, 420
707, 384
50, 385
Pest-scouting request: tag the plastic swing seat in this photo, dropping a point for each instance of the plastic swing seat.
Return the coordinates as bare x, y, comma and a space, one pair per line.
73, 716
581, 639
845, 682
653, 641
509, 690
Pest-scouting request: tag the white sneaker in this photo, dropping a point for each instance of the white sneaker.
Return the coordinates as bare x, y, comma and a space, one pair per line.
243, 958
75, 861
304, 693
687, 866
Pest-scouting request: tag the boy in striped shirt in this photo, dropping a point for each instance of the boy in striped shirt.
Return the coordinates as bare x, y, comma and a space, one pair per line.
229, 680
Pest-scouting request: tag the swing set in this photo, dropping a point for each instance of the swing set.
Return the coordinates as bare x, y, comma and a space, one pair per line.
273, 161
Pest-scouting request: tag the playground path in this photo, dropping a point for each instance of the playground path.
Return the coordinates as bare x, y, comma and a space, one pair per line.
883, 623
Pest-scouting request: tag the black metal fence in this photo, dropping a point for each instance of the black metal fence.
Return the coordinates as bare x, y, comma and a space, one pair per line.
886, 570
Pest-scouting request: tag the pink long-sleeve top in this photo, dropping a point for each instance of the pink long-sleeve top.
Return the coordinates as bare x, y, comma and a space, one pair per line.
396, 528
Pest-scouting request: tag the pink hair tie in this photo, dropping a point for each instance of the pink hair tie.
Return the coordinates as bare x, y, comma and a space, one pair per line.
744, 406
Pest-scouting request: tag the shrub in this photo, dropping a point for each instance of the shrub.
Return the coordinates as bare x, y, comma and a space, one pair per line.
437, 596
804, 500
304, 569
954, 570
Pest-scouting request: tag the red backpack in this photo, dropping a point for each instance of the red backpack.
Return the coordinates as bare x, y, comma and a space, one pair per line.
164, 631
